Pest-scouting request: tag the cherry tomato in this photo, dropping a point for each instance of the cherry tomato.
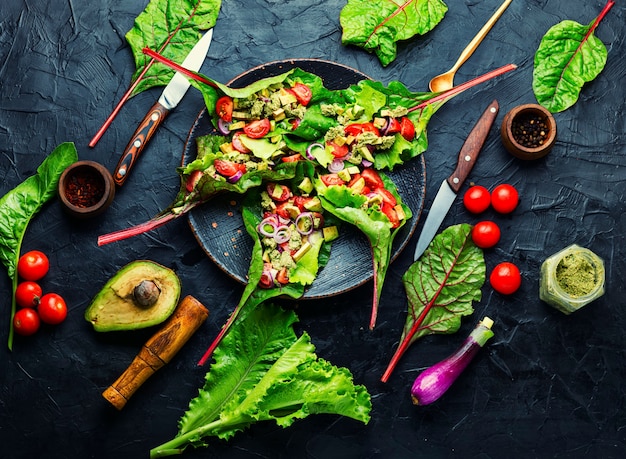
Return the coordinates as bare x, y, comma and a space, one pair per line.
52, 309
477, 199
391, 214
388, 197
258, 128
504, 198
372, 178
193, 180
238, 144
292, 158
224, 108
485, 234
26, 322
505, 278
33, 265
358, 128
27, 294
407, 128
228, 168
278, 192
331, 179
338, 151
282, 277
393, 126
302, 93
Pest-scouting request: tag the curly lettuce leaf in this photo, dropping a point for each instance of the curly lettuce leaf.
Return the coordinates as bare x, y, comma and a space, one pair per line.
568, 56
441, 287
171, 27
20, 205
264, 372
377, 25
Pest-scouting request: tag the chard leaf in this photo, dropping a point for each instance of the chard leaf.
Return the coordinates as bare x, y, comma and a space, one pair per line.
264, 372
171, 27
20, 205
441, 287
568, 56
377, 25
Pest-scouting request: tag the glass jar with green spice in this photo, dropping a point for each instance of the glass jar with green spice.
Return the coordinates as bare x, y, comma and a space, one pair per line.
571, 279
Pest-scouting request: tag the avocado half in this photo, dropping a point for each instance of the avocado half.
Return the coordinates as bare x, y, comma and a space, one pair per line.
141, 294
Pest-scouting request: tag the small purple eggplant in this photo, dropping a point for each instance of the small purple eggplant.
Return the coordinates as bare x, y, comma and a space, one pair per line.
433, 382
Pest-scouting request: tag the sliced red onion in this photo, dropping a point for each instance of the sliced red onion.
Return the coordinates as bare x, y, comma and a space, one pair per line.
366, 163
268, 226
268, 276
385, 128
310, 148
282, 234
335, 165
235, 177
223, 126
302, 226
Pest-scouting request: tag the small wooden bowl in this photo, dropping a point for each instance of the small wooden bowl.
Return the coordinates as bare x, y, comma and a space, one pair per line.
528, 131
86, 189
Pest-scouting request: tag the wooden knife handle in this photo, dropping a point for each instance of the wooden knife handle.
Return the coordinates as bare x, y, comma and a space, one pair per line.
138, 141
472, 146
158, 350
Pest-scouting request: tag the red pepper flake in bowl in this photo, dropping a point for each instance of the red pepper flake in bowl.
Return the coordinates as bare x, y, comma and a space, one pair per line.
86, 189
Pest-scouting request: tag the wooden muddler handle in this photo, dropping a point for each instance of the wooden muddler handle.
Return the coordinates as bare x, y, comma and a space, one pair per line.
158, 350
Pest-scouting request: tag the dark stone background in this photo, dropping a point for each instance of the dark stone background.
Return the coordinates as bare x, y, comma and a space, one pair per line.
547, 385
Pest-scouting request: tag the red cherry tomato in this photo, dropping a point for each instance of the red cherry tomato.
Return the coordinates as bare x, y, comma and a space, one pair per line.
388, 197
331, 179
27, 294
477, 199
485, 234
52, 309
258, 128
358, 128
224, 108
278, 192
504, 198
372, 179
391, 214
193, 180
407, 129
393, 126
505, 278
26, 322
33, 265
228, 168
338, 151
302, 93
238, 144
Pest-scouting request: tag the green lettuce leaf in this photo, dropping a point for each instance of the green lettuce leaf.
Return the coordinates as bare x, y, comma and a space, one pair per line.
377, 25
441, 287
264, 372
171, 27
19, 205
568, 56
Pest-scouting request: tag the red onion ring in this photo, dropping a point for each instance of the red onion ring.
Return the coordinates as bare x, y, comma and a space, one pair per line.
235, 177
302, 230
309, 150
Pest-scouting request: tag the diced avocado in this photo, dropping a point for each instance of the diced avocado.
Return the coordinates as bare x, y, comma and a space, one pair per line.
353, 170
314, 205
358, 185
237, 115
287, 98
400, 211
366, 153
277, 191
330, 233
301, 251
227, 147
279, 114
141, 294
292, 211
344, 175
236, 125
306, 185
379, 122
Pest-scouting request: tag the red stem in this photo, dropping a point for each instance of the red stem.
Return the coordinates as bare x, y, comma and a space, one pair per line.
179, 68
603, 13
150, 225
218, 338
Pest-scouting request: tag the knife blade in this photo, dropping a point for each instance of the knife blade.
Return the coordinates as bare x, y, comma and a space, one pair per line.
169, 99
450, 187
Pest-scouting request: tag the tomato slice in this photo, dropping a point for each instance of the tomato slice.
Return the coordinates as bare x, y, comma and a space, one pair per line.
282, 277
292, 158
338, 151
278, 192
224, 108
331, 179
372, 179
302, 93
388, 198
393, 127
193, 180
228, 168
355, 129
391, 214
238, 144
407, 129
257, 129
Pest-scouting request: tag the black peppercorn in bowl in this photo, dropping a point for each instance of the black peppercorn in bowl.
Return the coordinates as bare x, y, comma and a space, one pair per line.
528, 131
86, 189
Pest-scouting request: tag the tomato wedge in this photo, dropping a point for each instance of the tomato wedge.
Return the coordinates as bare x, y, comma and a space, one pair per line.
257, 129
391, 214
228, 168
388, 198
407, 128
193, 180
331, 179
224, 108
338, 151
292, 158
393, 126
355, 129
302, 93
372, 179
238, 144
278, 192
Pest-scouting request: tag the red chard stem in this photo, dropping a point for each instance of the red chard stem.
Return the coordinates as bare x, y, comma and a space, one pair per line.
179, 68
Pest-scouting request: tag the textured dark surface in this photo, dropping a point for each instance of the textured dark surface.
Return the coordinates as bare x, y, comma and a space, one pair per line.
547, 385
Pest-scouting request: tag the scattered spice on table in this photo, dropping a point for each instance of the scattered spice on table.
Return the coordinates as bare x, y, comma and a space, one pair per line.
531, 130
84, 189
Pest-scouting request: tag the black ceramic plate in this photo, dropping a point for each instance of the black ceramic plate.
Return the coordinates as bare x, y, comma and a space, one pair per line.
219, 228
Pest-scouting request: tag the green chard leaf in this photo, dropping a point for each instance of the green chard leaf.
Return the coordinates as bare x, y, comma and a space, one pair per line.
377, 25
568, 56
264, 372
19, 206
441, 287
171, 27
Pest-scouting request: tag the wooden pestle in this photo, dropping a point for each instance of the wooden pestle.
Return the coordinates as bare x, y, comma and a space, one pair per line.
158, 350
